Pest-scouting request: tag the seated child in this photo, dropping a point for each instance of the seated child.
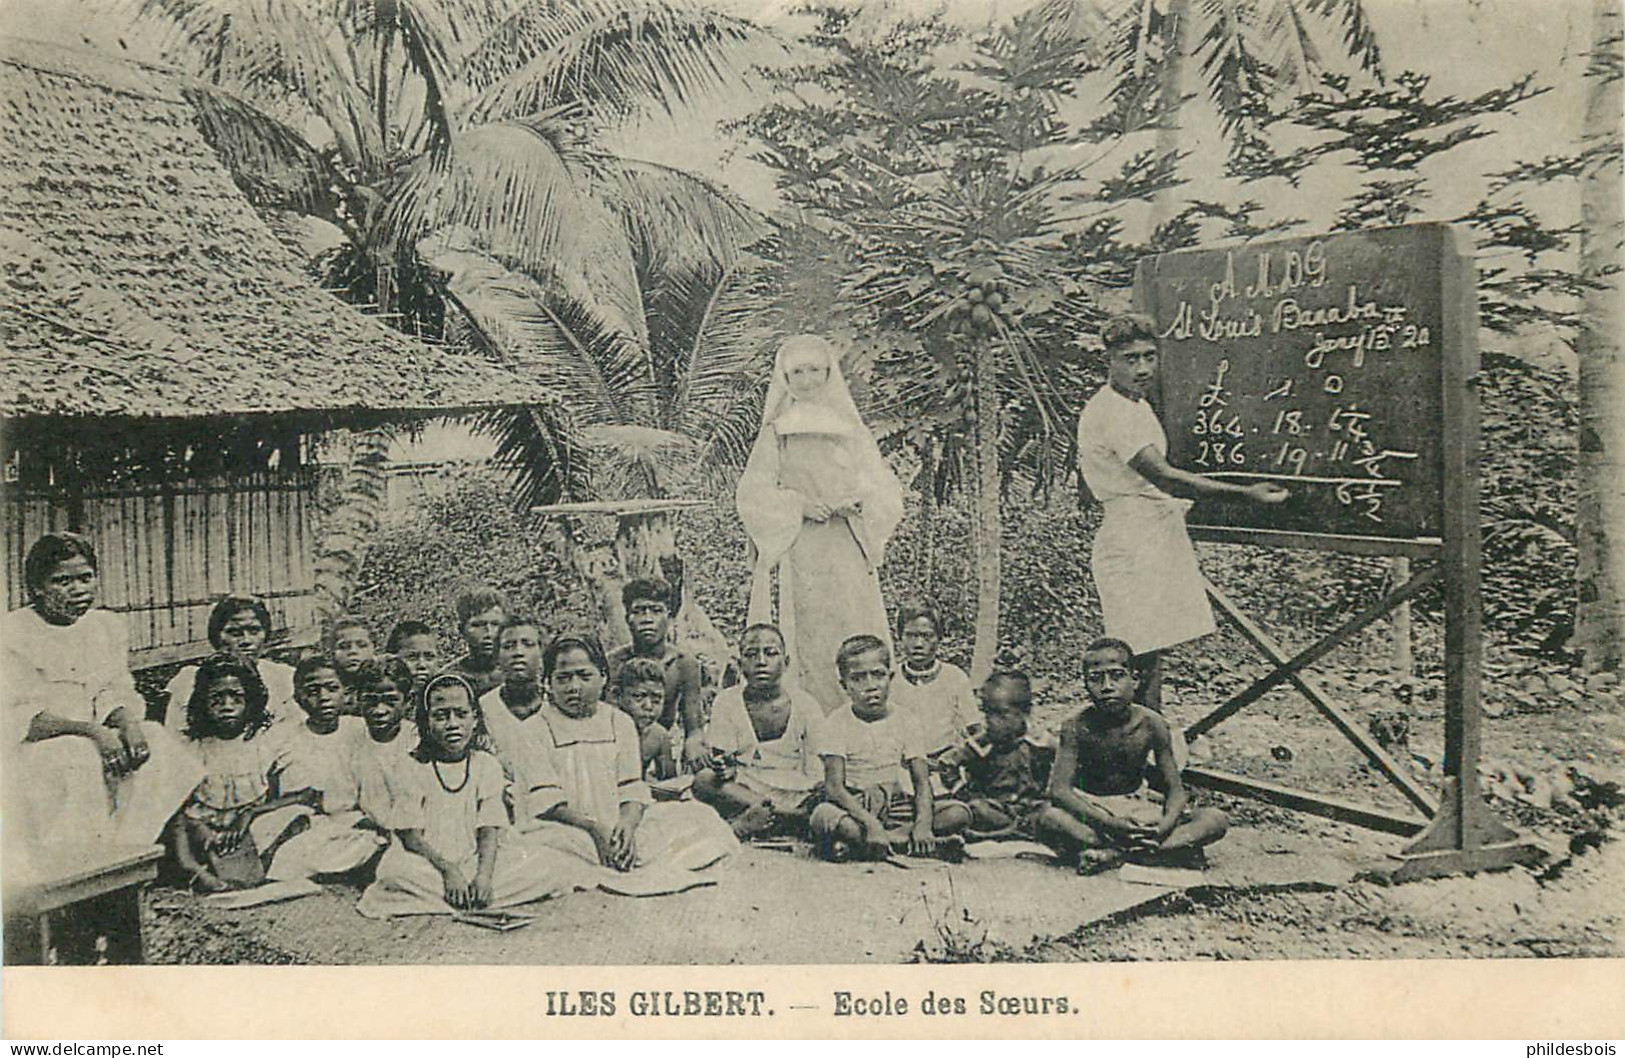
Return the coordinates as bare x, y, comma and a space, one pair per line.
231, 827
240, 625
764, 772
871, 755
650, 604
349, 644
937, 692
480, 614
415, 644
386, 686
323, 754
1099, 803
1004, 770
588, 786
450, 819
511, 710
639, 691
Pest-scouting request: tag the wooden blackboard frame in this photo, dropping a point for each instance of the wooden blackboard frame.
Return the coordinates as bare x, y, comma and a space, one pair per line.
1460, 832
1457, 340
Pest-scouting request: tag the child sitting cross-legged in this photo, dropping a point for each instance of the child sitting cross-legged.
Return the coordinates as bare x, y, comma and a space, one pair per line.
937, 692
764, 770
450, 820
239, 815
1100, 805
324, 755
872, 756
639, 691
1004, 771
586, 777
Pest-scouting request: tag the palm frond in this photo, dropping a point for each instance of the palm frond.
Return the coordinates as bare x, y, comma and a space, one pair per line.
426, 36
526, 203
726, 340
274, 49
1359, 39
272, 164
523, 324
612, 56
674, 217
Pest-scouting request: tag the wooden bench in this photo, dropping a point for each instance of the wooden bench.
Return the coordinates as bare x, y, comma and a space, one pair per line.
77, 904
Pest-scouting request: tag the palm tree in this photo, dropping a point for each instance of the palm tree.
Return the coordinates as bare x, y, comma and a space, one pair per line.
1251, 52
451, 145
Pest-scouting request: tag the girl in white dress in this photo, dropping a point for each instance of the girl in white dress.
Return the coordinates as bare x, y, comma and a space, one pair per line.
243, 795
450, 822
587, 778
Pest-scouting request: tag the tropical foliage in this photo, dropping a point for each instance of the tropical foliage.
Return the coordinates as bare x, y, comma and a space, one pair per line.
453, 146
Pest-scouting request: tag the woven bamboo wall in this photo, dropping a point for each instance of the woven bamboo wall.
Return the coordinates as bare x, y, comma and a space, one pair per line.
168, 551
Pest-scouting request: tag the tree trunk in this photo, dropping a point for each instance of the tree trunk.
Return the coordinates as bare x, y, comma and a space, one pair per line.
1600, 613
352, 523
987, 530
925, 569
1169, 133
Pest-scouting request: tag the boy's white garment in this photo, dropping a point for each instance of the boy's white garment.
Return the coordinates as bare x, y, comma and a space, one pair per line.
328, 763
941, 702
517, 748
874, 750
793, 752
332, 764
1151, 591
278, 680
380, 766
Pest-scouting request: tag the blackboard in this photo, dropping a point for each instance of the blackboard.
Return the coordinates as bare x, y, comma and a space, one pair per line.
1316, 363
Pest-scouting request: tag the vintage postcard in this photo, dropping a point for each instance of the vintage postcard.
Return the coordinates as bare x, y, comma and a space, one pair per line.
737, 518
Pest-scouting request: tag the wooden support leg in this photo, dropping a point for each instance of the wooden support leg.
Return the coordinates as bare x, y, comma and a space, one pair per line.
1379, 758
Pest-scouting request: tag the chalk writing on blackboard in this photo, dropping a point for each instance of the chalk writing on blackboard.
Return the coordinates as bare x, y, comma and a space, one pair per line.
1312, 363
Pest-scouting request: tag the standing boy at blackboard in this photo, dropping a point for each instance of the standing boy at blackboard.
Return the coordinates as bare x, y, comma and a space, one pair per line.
1145, 570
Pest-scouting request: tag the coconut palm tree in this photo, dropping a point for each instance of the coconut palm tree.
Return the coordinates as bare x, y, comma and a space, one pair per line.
452, 143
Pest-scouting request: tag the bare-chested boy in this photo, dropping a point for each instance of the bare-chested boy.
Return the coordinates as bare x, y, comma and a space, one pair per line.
1099, 803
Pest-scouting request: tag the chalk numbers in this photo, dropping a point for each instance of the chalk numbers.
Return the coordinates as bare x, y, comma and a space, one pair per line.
1289, 421
1221, 454
1217, 423
1411, 336
1292, 456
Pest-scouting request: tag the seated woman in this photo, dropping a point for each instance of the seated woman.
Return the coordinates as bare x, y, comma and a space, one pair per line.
83, 766
587, 782
240, 625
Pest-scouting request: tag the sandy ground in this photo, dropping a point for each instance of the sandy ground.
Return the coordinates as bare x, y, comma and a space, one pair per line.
769, 907
1281, 885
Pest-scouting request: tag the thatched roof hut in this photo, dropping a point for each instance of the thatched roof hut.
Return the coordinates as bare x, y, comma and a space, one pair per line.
167, 357
135, 279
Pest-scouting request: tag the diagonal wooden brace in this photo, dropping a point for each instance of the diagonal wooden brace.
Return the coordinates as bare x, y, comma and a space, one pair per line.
1290, 669
1286, 669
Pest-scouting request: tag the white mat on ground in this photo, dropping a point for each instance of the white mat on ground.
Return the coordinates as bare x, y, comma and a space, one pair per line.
269, 893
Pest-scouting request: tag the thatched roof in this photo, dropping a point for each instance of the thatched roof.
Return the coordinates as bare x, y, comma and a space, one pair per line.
136, 280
